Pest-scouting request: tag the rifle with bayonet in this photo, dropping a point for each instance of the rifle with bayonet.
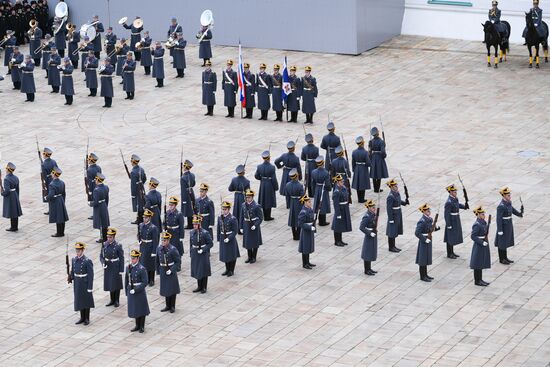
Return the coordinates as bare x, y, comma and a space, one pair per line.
382, 128
69, 280
221, 221
42, 176
347, 180
466, 206
434, 224
86, 166
522, 209
181, 161
375, 227
405, 188
165, 213
1, 183
125, 165
487, 232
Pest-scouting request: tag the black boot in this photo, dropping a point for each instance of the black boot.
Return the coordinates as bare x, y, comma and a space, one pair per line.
226, 269
502, 257
424, 274
391, 245
506, 256
376, 184
254, 254
142, 324
173, 303
323, 220
87, 316
279, 116
267, 214
361, 196
82, 318
204, 285
294, 116
60, 230
151, 275
138, 322
199, 286
249, 256
338, 239
189, 223
117, 298
14, 223
477, 278
249, 112
147, 70
305, 263
112, 299
368, 269
232, 268
167, 302
450, 253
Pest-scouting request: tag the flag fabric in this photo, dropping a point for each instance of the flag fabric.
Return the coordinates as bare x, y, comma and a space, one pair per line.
242, 85
287, 88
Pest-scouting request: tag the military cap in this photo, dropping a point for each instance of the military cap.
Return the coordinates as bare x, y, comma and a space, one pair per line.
86, 38
249, 192
135, 158
391, 182
308, 68
479, 210
290, 145
304, 198
309, 138
338, 177
122, 40
47, 151
208, 63
293, 68
339, 150
135, 253
197, 218
188, 164
56, 171
148, 213
80, 245
359, 140
330, 126
239, 169
229, 62
153, 182
100, 177
319, 161
130, 53
424, 207
276, 66
174, 19
246, 65
505, 191
204, 187
53, 48
226, 204
450, 188
374, 131
263, 66
293, 173
111, 231
47, 36
173, 200
10, 167
165, 235
93, 157
370, 203
265, 154
494, 2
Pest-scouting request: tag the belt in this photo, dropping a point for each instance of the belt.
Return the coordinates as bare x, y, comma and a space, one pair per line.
57, 195
115, 259
331, 148
169, 264
101, 201
308, 89
396, 207
285, 167
208, 82
156, 57
228, 232
184, 202
27, 72
360, 162
482, 237
370, 229
375, 151
10, 46
276, 86
154, 206
266, 178
343, 203
261, 86
13, 189
175, 227
310, 159
310, 223
68, 75
205, 215
249, 220
295, 197
341, 173
510, 217
81, 275
126, 71
137, 283
425, 234
136, 34
146, 241
455, 213
320, 184
46, 52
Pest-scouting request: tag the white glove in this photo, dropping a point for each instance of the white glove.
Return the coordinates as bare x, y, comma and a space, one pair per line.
500, 233
428, 240
450, 227
312, 228
391, 221
536, 25
199, 251
339, 217
168, 272
153, 255
121, 273
253, 228
89, 203
105, 266
485, 243
132, 291
226, 240
12, 60
492, 21
89, 290
372, 234
181, 240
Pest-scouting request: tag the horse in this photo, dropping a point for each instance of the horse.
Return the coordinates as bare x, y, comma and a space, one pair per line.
495, 39
532, 38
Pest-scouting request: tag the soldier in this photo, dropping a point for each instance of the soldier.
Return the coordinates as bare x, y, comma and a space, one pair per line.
27, 79
158, 64
494, 17
377, 153
107, 83
342, 219
205, 208
60, 38
146, 59
360, 164
424, 250
91, 174
84, 51
56, 199
320, 179
276, 95
251, 219
91, 65
47, 45
536, 14
294, 190
12, 206
394, 227
35, 43
228, 227
100, 203
265, 87
135, 37
179, 56
67, 85
309, 93
173, 222
293, 99
199, 248
82, 277
505, 227
168, 264
16, 60
53, 72
269, 185
111, 257
74, 39
47, 166
153, 202
209, 87
239, 185
306, 222
230, 86
250, 90
368, 225
340, 166
288, 161
9, 47
97, 40
205, 51
121, 57
135, 281
148, 238
128, 80
137, 182
309, 153
187, 182
329, 144
453, 227
173, 31
481, 254
110, 43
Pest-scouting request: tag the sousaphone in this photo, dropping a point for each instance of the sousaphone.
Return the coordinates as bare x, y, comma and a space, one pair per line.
207, 20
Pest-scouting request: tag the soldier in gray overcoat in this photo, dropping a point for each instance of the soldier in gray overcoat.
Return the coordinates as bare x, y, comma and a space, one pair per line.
110, 44
505, 227
100, 204
56, 199
158, 64
111, 257
209, 87
320, 179
230, 87
148, 238
294, 190
91, 65
47, 166
306, 224
360, 163
251, 219
293, 99
135, 282
394, 226
53, 72
67, 85
309, 152
168, 264
17, 59
91, 173
250, 90
47, 44
106, 77
309, 93
269, 185
146, 58
369, 251
153, 202
60, 38
34, 44
288, 161
96, 42
135, 36
340, 166
329, 144
264, 88
453, 227
187, 182
179, 56
82, 277
199, 250
377, 153
73, 46
424, 249
228, 226
277, 92
11, 207
85, 51
205, 51
121, 58
137, 189
173, 222
481, 253
27, 78
238, 185
128, 80
205, 208
342, 218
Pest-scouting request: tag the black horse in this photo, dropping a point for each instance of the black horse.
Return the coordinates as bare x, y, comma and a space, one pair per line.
533, 39
495, 39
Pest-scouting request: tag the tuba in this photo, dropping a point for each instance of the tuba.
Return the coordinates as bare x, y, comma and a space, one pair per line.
33, 24
207, 20
138, 23
70, 27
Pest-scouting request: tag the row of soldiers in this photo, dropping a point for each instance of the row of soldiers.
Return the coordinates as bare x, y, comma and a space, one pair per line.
17, 16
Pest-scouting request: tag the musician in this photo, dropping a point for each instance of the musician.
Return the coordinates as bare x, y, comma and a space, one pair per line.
264, 89
360, 163
168, 263
199, 248
209, 87
135, 37
205, 51
187, 182
174, 225
11, 205
121, 56
27, 78
106, 72
294, 190
35, 43
135, 281
74, 38
148, 238
138, 178
158, 64
16, 73
250, 90
230, 87
100, 204
309, 153
146, 59
288, 161
128, 80
377, 152
9, 46
306, 225
82, 277
53, 72
320, 179
424, 250
481, 253
309, 93
91, 65
91, 174
85, 49
48, 43
276, 95
60, 36
179, 56
239, 185
153, 202
173, 30
56, 201
293, 99
228, 227
505, 227
342, 219
111, 257
67, 84
251, 219
205, 208
453, 227
394, 227
97, 40
266, 174
110, 43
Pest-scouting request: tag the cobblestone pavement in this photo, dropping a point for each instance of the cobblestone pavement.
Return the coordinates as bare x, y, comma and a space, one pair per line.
444, 112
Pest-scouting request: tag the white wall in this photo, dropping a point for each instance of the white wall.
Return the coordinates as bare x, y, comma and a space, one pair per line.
460, 22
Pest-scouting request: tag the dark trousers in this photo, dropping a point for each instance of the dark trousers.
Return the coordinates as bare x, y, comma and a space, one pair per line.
103, 233
61, 53
60, 228
391, 242
230, 267
503, 255
93, 92
293, 117
189, 222
367, 266
295, 233
37, 62
139, 217
55, 89
376, 183
279, 116
171, 301
309, 118
14, 224
137, 55
97, 54
423, 270
68, 100
323, 220
337, 238
478, 275
147, 70
252, 253
230, 112
151, 276
209, 111
305, 259
202, 283
140, 323
108, 101
85, 314
267, 214
130, 95
450, 250
263, 115
30, 97
115, 297
75, 63
361, 196
16, 85
181, 73
160, 83
249, 112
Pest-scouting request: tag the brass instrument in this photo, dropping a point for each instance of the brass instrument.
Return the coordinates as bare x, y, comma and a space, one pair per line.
117, 49
5, 39
207, 20
80, 47
139, 45
44, 44
70, 27
33, 24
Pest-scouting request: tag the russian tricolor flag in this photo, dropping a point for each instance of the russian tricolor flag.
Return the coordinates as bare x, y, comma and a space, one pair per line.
287, 88
242, 85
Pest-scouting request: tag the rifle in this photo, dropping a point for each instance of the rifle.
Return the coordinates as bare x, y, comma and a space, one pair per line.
521, 209
245, 160
375, 227
463, 189
382, 128
165, 215
487, 232
141, 188
1, 184
181, 162
405, 188
130, 274
69, 280
370, 139
220, 220
125, 165
306, 168
434, 225
346, 181
86, 166
318, 209
42, 176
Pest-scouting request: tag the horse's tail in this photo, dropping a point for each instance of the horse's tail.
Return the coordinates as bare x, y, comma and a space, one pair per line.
506, 44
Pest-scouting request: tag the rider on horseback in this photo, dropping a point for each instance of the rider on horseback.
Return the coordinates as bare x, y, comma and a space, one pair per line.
536, 15
494, 17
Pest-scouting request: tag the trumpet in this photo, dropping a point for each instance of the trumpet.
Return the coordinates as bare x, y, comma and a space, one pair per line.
6, 38
22, 65
80, 47
116, 50
70, 27
101, 68
60, 67
139, 45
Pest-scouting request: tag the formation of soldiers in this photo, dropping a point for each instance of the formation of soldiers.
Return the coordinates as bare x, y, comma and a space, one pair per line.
324, 186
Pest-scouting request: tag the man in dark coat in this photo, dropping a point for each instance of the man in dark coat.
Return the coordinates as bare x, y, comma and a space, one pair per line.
106, 77
128, 80
179, 56
148, 238
173, 31
100, 203
250, 90
342, 218
187, 182
97, 40
536, 15
309, 93
329, 144
47, 46
137, 189
294, 190
16, 60
121, 57
91, 174
205, 208
276, 95
230, 87
47, 166
61, 38
153, 202
309, 153
453, 227
320, 179
228, 227
481, 254
293, 99
135, 282
54, 65
82, 277
9, 45
158, 64
264, 88
394, 227
168, 264
74, 39
377, 153
91, 64
56, 199
505, 227
135, 37
306, 224
67, 85
34, 44
173, 222
424, 249
368, 225
146, 58
209, 87
238, 185
360, 163
251, 219
110, 44
11, 207
199, 249
494, 17
265, 173
205, 50
111, 257
27, 78
288, 161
